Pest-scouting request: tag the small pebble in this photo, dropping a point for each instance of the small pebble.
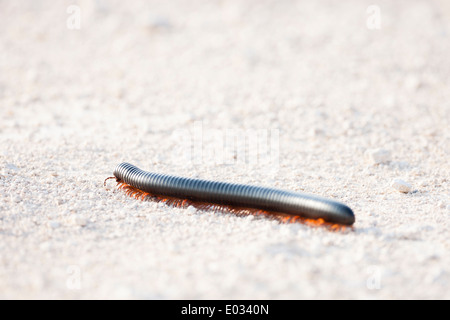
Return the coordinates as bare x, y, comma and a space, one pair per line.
401, 185
377, 156
12, 166
45, 245
413, 83
54, 224
191, 210
315, 132
80, 221
156, 23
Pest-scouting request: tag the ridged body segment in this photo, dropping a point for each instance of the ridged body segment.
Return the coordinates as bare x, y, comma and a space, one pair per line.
270, 199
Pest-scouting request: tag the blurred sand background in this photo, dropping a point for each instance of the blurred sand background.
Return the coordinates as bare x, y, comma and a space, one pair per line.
75, 102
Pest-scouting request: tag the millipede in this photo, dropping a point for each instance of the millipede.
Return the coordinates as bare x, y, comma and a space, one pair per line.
239, 199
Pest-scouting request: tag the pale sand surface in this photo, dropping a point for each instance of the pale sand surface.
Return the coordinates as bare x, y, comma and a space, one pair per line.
138, 77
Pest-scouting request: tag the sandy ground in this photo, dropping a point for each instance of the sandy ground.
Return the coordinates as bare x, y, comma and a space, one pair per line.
136, 82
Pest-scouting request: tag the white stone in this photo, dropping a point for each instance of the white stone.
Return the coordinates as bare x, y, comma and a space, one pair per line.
12, 166
401, 185
413, 83
54, 224
377, 156
80, 221
45, 245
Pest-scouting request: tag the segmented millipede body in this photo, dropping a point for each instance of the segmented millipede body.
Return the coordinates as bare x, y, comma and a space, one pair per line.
237, 198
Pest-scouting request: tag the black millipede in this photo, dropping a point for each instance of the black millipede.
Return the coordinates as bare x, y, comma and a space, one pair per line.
286, 206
